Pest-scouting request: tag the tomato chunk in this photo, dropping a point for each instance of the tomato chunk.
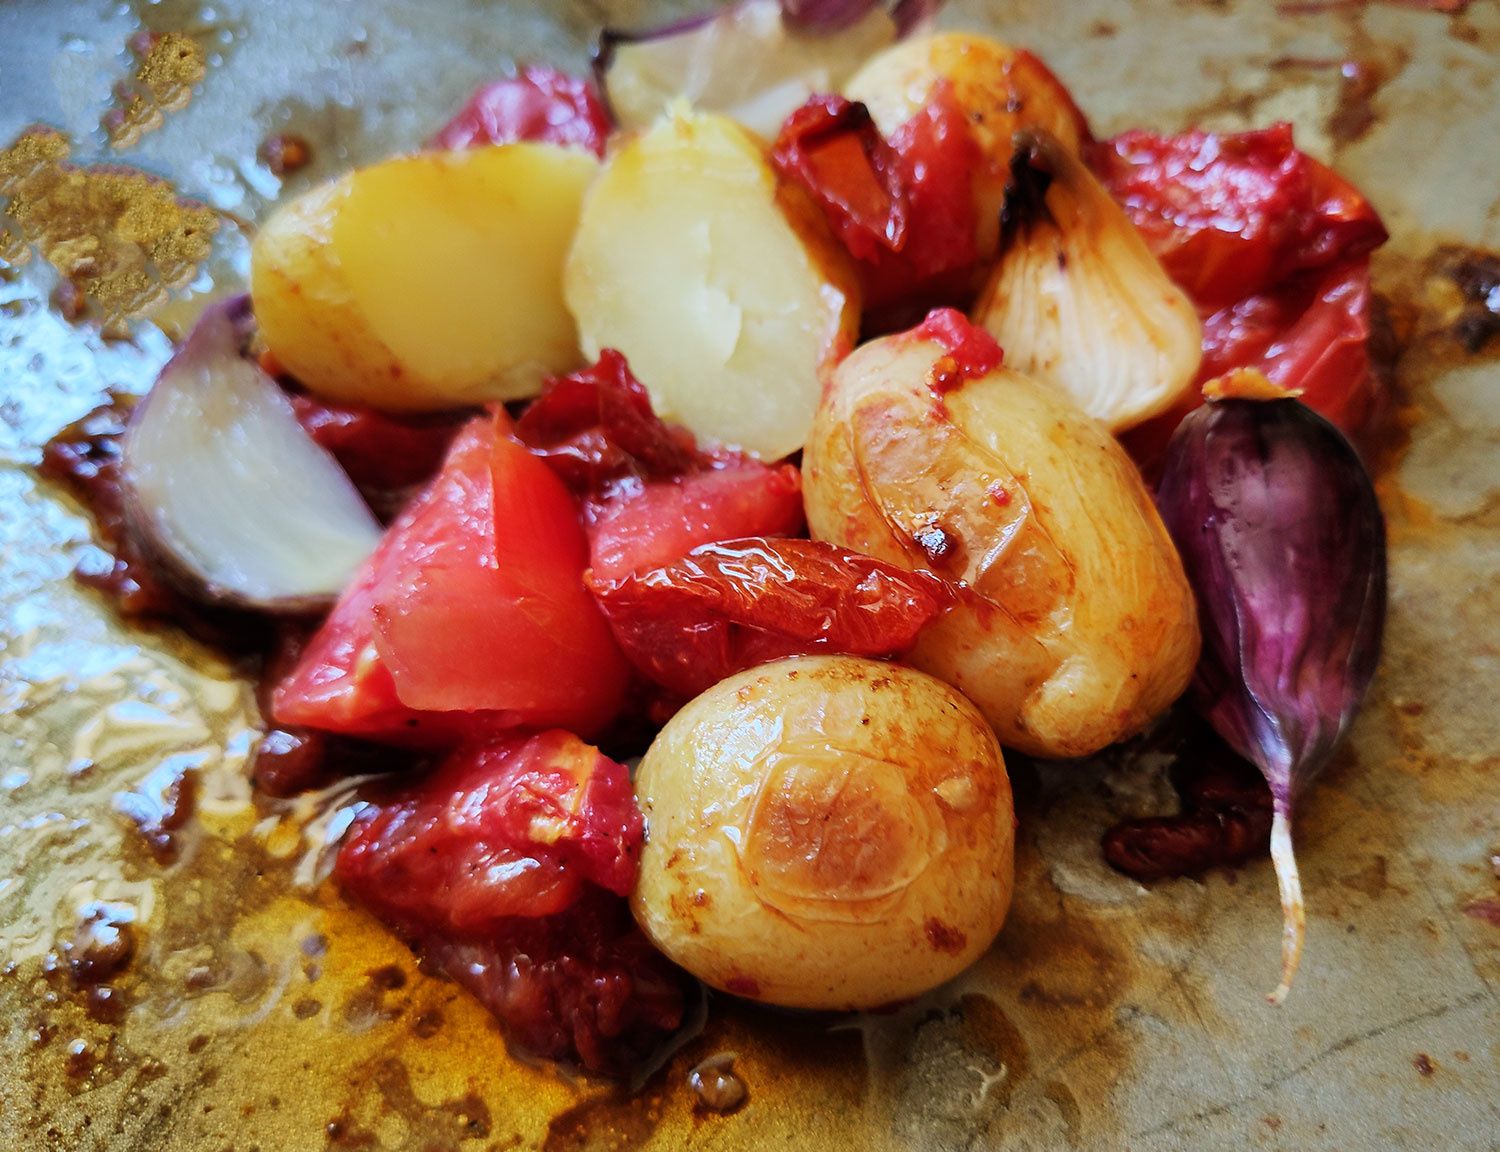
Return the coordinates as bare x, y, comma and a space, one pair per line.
1274, 249
515, 827
1230, 216
905, 209
649, 493
1311, 334
506, 868
585, 986
730, 606
539, 104
470, 618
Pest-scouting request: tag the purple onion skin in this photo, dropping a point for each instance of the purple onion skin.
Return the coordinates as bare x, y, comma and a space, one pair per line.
1283, 543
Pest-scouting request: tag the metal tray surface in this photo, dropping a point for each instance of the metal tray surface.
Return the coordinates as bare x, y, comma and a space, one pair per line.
266, 1014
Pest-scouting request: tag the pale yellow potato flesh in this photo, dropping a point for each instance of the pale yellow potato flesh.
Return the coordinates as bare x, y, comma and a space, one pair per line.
724, 291
1079, 626
428, 281
825, 832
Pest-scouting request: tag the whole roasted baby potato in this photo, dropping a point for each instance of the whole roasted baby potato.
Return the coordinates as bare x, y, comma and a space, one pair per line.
1079, 626
425, 282
825, 832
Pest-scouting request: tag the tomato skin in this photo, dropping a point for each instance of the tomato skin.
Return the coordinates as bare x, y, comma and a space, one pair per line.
660, 522
729, 606
1274, 248
905, 208
832, 147
539, 104
1231, 216
649, 492
1311, 334
514, 827
595, 427
470, 618
506, 868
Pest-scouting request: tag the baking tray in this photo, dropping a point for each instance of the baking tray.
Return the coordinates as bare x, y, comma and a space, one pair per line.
265, 1014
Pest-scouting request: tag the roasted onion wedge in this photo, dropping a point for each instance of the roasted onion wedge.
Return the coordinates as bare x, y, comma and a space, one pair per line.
228, 491
1077, 299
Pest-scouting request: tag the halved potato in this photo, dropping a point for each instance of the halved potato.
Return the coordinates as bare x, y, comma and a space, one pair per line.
1078, 300
425, 282
724, 291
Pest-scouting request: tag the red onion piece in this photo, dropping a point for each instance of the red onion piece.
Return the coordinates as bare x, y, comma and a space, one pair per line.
755, 61
1284, 543
228, 491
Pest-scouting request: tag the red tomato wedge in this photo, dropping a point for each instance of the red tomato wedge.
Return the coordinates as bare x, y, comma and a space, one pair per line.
470, 618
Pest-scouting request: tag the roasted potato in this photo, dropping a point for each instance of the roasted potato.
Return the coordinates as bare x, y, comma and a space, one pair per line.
1078, 625
1001, 90
825, 832
425, 282
725, 291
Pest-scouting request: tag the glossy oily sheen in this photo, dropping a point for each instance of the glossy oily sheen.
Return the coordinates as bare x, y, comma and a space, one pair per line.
1079, 626
825, 832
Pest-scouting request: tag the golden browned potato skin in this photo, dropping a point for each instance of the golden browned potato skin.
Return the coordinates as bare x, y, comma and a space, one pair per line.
1079, 626
428, 281
825, 832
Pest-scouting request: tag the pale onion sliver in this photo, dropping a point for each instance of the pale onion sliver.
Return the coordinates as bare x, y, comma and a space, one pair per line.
228, 487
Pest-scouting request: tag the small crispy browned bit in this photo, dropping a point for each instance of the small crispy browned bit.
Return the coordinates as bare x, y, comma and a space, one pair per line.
285, 153
100, 948
1476, 275
1225, 818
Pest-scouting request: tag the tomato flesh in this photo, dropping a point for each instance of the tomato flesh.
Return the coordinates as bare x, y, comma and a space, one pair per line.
729, 606
506, 868
1230, 216
470, 618
1273, 247
514, 827
650, 494
905, 208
